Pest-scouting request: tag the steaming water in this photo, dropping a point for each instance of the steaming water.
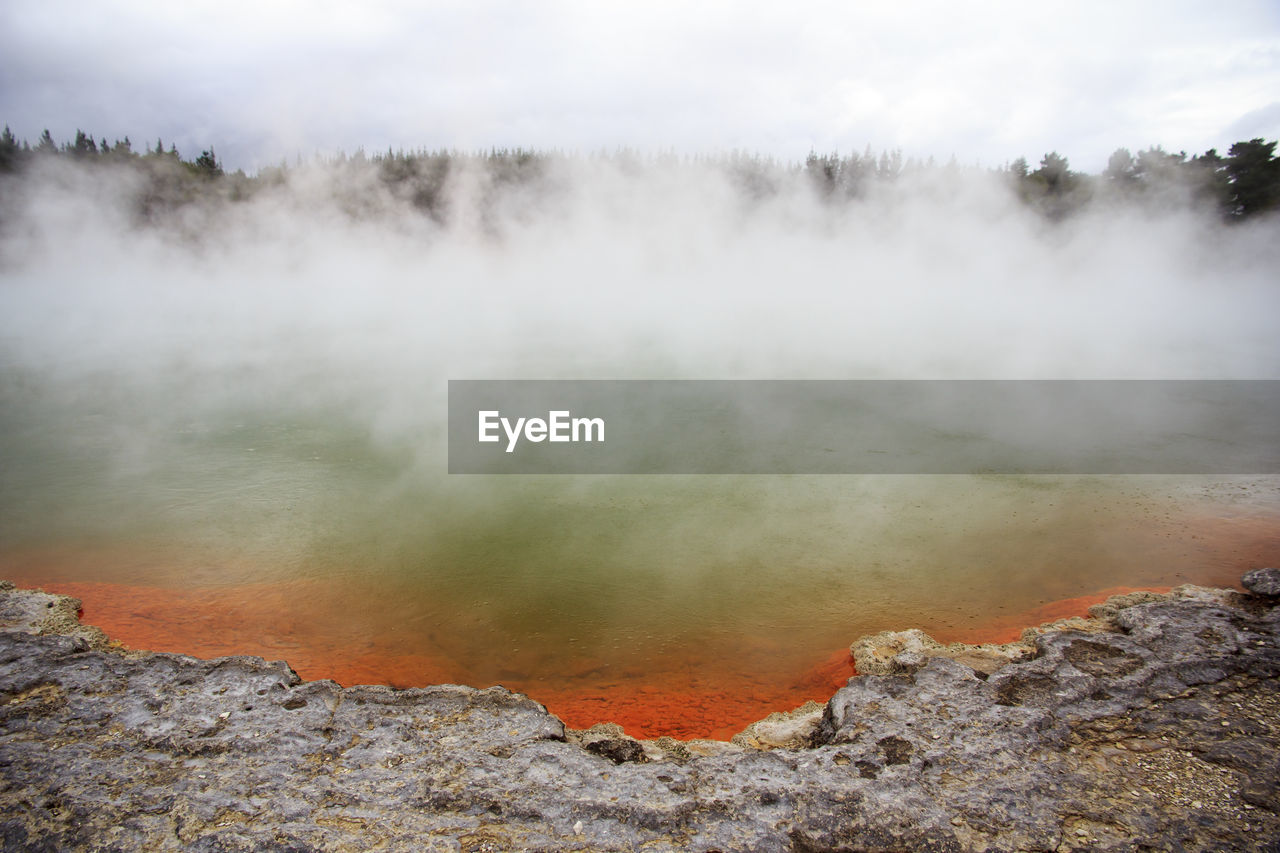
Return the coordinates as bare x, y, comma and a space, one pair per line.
256, 422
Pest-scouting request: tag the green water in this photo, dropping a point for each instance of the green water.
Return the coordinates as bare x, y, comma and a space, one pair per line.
527, 576
252, 402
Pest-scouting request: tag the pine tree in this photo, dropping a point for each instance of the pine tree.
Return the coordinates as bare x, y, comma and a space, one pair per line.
9, 150
1254, 174
84, 145
207, 164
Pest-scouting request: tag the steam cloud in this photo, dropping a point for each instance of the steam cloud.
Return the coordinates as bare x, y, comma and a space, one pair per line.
294, 349
621, 270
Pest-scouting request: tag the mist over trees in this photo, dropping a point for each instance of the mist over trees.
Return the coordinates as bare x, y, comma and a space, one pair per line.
1242, 184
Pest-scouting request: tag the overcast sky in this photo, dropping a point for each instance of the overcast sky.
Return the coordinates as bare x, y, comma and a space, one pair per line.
986, 82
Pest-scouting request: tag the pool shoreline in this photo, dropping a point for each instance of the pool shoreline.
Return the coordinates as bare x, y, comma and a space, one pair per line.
1154, 720
645, 711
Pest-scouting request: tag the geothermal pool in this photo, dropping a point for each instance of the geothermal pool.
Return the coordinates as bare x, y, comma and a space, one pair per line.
680, 605
225, 431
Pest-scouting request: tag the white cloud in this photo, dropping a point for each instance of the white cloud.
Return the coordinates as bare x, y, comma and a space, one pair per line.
263, 80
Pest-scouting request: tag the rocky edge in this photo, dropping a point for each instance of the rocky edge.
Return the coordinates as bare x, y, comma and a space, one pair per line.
1153, 725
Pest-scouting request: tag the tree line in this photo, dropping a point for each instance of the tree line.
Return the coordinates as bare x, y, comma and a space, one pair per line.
14, 154
1243, 183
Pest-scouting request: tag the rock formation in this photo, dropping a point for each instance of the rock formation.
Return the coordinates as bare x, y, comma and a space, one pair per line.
1154, 725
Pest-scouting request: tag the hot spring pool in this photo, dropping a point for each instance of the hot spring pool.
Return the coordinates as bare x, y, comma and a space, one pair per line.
225, 430
682, 605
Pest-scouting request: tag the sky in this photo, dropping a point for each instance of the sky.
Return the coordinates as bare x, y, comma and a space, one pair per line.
986, 82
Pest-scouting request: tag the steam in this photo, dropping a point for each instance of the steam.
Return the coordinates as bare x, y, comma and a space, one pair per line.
610, 269
272, 372
659, 269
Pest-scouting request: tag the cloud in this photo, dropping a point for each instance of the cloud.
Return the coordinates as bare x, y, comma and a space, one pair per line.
263, 81
1264, 122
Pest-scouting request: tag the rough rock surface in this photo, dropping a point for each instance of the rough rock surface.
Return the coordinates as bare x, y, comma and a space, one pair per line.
1156, 729
1262, 582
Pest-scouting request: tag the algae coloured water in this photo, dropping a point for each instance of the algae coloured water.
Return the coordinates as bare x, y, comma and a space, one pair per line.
224, 427
682, 605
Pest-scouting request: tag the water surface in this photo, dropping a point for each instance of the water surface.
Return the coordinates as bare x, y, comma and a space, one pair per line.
687, 605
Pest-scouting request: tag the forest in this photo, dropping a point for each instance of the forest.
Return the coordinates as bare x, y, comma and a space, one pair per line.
1242, 184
